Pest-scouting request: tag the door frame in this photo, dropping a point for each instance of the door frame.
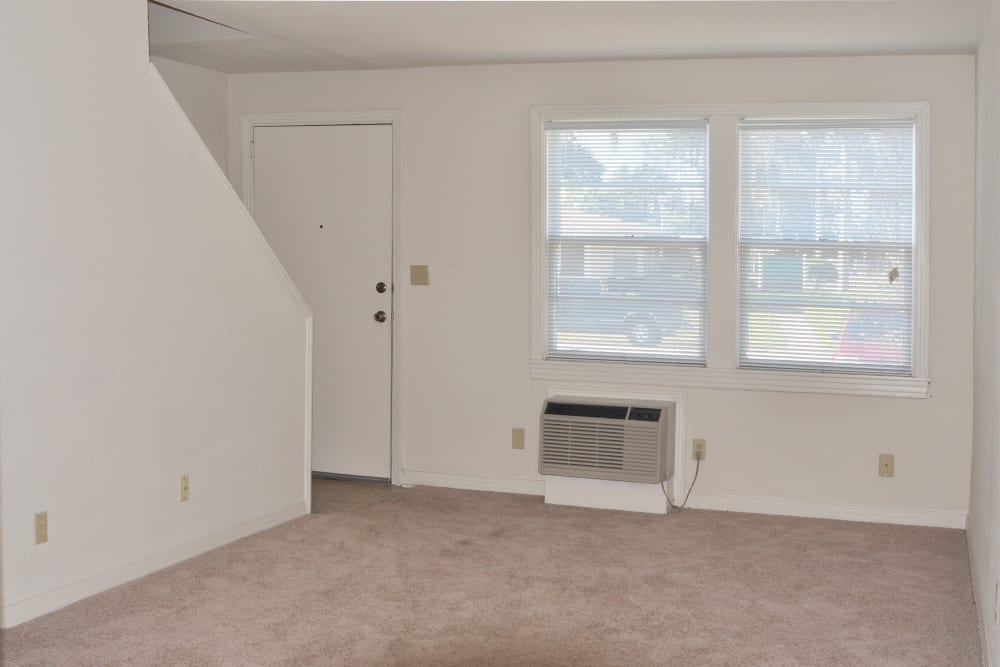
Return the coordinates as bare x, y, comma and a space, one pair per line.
393, 118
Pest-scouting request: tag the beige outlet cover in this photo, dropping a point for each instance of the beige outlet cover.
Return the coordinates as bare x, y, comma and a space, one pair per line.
517, 438
41, 527
886, 465
420, 274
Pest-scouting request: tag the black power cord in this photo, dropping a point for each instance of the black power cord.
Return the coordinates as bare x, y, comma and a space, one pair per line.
697, 467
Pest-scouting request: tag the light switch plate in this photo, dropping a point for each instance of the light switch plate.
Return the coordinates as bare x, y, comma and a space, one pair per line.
420, 274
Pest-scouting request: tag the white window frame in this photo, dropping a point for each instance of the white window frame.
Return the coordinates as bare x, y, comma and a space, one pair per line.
722, 371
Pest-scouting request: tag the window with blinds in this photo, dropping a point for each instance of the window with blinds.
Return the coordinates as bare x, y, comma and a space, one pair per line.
627, 227
826, 245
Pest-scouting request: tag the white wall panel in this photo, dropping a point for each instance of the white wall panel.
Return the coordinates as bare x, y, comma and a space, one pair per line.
145, 333
466, 210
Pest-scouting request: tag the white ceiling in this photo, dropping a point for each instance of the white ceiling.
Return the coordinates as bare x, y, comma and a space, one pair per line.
300, 36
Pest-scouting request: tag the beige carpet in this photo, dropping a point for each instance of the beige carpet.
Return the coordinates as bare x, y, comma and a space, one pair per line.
424, 576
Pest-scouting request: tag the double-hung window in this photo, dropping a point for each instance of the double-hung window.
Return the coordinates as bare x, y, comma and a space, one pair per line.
626, 217
826, 244
816, 278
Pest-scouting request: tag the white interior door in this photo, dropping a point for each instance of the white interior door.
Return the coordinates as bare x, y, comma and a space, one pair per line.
322, 196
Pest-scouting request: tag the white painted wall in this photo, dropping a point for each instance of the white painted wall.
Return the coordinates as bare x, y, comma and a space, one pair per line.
201, 92
465, 212
145, 333
984, 504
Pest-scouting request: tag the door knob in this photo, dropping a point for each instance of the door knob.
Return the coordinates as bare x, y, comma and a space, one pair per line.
380, 316
380, 287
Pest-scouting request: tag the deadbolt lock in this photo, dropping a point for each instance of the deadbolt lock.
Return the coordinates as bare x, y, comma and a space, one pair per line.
380, 287
380, 316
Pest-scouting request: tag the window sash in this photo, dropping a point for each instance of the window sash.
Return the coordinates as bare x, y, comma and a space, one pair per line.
827, 228
626, 238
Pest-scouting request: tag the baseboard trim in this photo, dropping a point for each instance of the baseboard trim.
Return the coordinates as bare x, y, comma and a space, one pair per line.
531, 487
981, 612
709, 501
43, 603
786, 507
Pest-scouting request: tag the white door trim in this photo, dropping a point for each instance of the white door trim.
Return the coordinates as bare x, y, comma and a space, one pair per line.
374, 117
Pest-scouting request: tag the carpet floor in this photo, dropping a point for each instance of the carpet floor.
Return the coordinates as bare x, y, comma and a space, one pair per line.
424, 576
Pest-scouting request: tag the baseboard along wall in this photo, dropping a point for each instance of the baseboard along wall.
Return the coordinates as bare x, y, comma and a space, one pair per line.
20, 611
721, 502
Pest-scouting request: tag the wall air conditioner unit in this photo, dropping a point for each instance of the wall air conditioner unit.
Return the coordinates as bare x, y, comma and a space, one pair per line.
630, 441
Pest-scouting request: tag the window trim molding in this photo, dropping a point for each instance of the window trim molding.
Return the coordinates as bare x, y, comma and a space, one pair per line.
696, 377
660, 374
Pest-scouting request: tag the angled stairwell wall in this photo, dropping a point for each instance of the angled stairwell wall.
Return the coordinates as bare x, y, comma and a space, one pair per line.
146, 331
202, 94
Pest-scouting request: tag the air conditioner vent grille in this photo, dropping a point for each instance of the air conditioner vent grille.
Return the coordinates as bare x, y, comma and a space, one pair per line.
605, 441
587, 410
591, 445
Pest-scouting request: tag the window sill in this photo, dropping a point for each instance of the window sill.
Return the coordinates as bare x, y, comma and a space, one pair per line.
736, 379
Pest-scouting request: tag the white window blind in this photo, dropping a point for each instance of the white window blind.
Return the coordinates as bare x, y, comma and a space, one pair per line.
627, 226
826, 245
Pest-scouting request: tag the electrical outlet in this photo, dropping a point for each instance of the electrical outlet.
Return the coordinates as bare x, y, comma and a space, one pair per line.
698, 449
517, 438
41, 527
886, 465
185, 488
